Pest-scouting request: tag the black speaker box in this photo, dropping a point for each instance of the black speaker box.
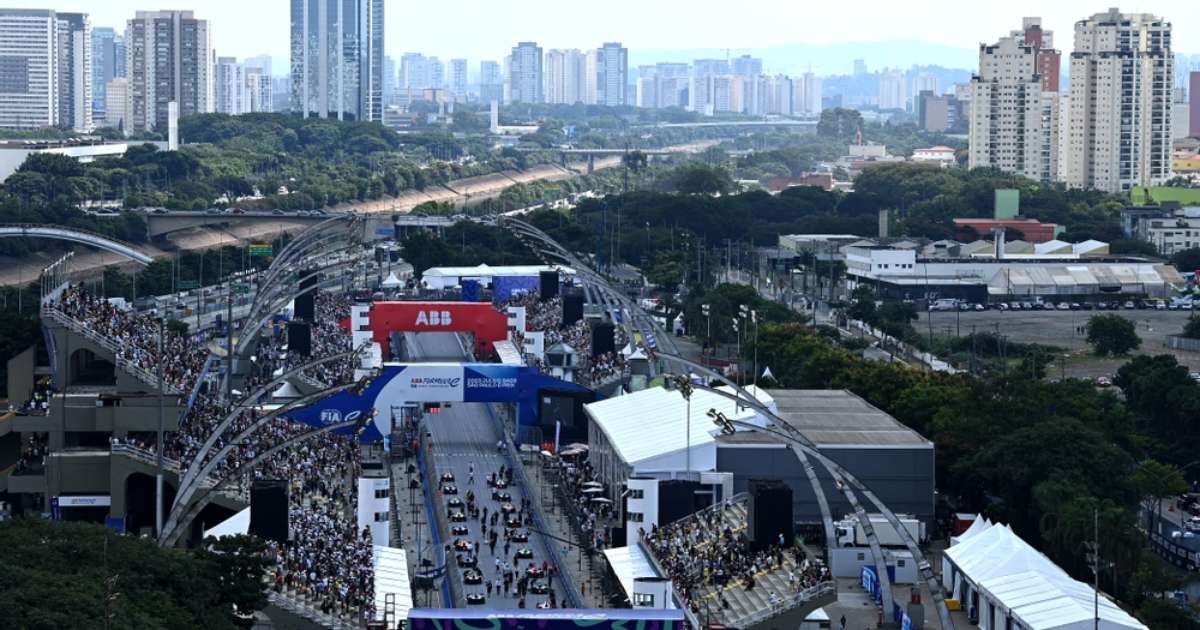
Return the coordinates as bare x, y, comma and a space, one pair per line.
769, 513
269, 510
300, 338
603, 339
547, 285
572, 308
304, 307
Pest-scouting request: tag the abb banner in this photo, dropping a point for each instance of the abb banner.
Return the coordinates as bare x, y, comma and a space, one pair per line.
488, 324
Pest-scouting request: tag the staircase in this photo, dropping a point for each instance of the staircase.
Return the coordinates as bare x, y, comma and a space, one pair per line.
79, 328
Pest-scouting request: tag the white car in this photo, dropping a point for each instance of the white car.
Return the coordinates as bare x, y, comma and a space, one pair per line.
1063, 306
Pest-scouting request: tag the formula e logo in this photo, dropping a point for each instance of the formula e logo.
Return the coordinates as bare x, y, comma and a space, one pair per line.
433, 318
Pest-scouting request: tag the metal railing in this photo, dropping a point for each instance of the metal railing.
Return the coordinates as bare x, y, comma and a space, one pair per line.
173, 465
785, 604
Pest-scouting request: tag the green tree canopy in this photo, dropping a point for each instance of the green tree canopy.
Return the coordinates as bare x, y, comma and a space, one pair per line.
1111, 334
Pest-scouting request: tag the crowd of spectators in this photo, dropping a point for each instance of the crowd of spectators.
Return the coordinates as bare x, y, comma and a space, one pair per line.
33, 454
327, 558
589, 511
546, 317
705, 553
136, 337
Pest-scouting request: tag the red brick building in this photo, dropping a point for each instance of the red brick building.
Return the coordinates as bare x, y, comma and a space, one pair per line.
1031, 230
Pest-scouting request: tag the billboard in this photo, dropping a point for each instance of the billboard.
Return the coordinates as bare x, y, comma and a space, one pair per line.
403, 383
488, 324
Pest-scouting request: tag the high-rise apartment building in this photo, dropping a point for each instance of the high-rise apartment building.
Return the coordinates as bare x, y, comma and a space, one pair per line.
169, 59
612, 74
1120, 100
491, 82
808, 95
458, 78
892, 92
337, 58
241, 88
45, 69
437, 73
108, 63
746, 66
525, 74
390, 79
1013, 117
414, 71
566, 76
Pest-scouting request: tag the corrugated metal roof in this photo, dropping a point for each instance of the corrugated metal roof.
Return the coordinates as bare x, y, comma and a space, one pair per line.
832, 417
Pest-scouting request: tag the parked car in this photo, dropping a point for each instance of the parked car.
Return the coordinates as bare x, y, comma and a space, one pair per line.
1103, 381
1129, 305
1063, 306
1002, 306
979, 307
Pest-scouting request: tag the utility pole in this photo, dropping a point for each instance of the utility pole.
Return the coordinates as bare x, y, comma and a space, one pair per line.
158, 454
1093, 557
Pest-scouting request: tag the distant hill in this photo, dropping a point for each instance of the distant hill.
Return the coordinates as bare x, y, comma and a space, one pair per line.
826, 59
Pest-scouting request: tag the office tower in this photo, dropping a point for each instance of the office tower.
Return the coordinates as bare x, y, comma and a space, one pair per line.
116, 103
491, 82
458, 78
612, 74
1013, 118
941, 113
45, 69
1194, 104
337, 58
169, 59
108, 63
808, 95
281, 93
746, 66
892, 93
75, 71
1120, 96
566, 76
525, 73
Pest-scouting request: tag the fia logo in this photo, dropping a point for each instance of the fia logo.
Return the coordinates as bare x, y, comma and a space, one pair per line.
433, 318
334, 416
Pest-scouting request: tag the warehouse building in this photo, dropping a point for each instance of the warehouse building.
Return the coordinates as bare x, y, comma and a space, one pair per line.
894, 461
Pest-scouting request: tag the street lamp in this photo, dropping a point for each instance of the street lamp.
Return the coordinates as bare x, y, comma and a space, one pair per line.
704, 308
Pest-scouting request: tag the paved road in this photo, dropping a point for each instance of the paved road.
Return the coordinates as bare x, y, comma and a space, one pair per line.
464, 439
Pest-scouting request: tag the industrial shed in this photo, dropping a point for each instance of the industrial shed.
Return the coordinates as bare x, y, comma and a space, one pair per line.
894, 461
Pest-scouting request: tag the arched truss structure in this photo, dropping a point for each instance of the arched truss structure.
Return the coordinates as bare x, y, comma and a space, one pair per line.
846, 482
75, 236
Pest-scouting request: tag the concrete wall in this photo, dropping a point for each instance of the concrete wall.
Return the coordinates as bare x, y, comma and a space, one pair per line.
902, 478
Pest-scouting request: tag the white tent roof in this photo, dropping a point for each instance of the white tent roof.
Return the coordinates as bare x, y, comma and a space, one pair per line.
237, 524
391, 281
653, 422
979, 526
503, 270
1019, 579
1052, 247
391, 576
628, 564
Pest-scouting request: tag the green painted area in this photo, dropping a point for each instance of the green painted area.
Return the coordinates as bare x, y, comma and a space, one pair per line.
1008, 203
1143, 196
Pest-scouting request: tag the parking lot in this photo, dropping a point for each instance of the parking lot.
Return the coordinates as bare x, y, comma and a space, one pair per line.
1062, 329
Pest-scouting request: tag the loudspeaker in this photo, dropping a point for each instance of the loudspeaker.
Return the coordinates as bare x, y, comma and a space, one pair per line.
572, 308
547, 285
300, 338
269, 510
304, 307
603, 339
769, 513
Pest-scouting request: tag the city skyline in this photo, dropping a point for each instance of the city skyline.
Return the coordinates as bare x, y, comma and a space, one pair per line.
238, 28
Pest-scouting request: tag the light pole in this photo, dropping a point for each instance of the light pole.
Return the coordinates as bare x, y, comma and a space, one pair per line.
684, 384
704, 308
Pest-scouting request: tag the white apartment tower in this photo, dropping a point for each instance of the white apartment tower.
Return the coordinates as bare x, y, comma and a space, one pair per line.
612, 74
1015, 105
1120, 100
458, 79
892, 92
566, 76
169, 59
45, 69
525, 74
808, 95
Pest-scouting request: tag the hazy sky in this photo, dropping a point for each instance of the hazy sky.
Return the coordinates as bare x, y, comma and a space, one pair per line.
486, 29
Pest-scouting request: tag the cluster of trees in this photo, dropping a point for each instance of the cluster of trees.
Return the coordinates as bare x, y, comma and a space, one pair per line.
1038, 455
63, 575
